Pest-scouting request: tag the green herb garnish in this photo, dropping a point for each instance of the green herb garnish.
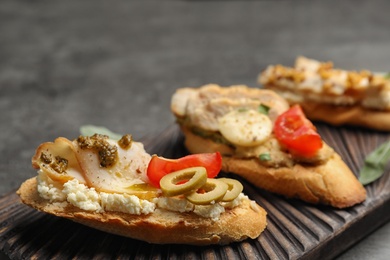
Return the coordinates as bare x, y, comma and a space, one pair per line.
263, 109
387, 75
375, 164
242, 109
265, 157
89, 130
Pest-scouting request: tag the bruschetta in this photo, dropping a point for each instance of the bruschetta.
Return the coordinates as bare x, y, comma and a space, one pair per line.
117, 187
264, 140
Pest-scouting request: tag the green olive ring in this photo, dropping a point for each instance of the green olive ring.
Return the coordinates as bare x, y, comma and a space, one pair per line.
235, 188
172, 183
214, 191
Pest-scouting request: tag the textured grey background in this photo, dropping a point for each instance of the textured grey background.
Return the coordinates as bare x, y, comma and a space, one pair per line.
64, 64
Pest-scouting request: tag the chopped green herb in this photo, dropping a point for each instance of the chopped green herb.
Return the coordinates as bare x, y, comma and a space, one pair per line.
375, 164
263, 109
242, 109
265, 157
387, 75
90, 130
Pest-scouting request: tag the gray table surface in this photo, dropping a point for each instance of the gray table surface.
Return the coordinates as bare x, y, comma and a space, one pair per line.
64, 64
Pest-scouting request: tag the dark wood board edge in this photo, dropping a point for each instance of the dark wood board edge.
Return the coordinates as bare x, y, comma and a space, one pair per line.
351, 235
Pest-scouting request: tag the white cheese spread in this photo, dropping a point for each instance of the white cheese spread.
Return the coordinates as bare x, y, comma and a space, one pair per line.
48, 189
212, 211
126, 203
83, 197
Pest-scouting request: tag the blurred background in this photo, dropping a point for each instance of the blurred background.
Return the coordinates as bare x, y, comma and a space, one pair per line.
64, 64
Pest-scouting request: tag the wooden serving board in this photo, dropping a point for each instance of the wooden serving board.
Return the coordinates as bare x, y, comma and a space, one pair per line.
296, 230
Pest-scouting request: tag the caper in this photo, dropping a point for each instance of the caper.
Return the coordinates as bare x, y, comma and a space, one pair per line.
235, 188
183, 181
212, 191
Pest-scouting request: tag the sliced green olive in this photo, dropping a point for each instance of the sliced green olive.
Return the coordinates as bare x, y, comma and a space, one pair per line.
183, 181
212, 190
235, 188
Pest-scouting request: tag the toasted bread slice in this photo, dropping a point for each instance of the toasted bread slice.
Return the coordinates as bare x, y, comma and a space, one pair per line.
247, 220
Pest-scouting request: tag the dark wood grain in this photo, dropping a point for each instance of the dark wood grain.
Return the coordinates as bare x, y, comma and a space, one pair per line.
296, 230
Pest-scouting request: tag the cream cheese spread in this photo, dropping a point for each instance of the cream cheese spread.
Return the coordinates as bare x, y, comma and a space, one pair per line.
83, 197
212, 211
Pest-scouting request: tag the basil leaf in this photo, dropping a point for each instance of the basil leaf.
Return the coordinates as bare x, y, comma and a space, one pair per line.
375, 164
89, 130
263, 109
265, 157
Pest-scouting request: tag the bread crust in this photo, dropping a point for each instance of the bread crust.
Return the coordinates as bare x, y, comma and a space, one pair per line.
353, 115
331, 183
247, 220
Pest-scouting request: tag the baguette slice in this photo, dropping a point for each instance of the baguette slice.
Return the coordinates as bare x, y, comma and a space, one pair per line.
160, 227
337, 97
